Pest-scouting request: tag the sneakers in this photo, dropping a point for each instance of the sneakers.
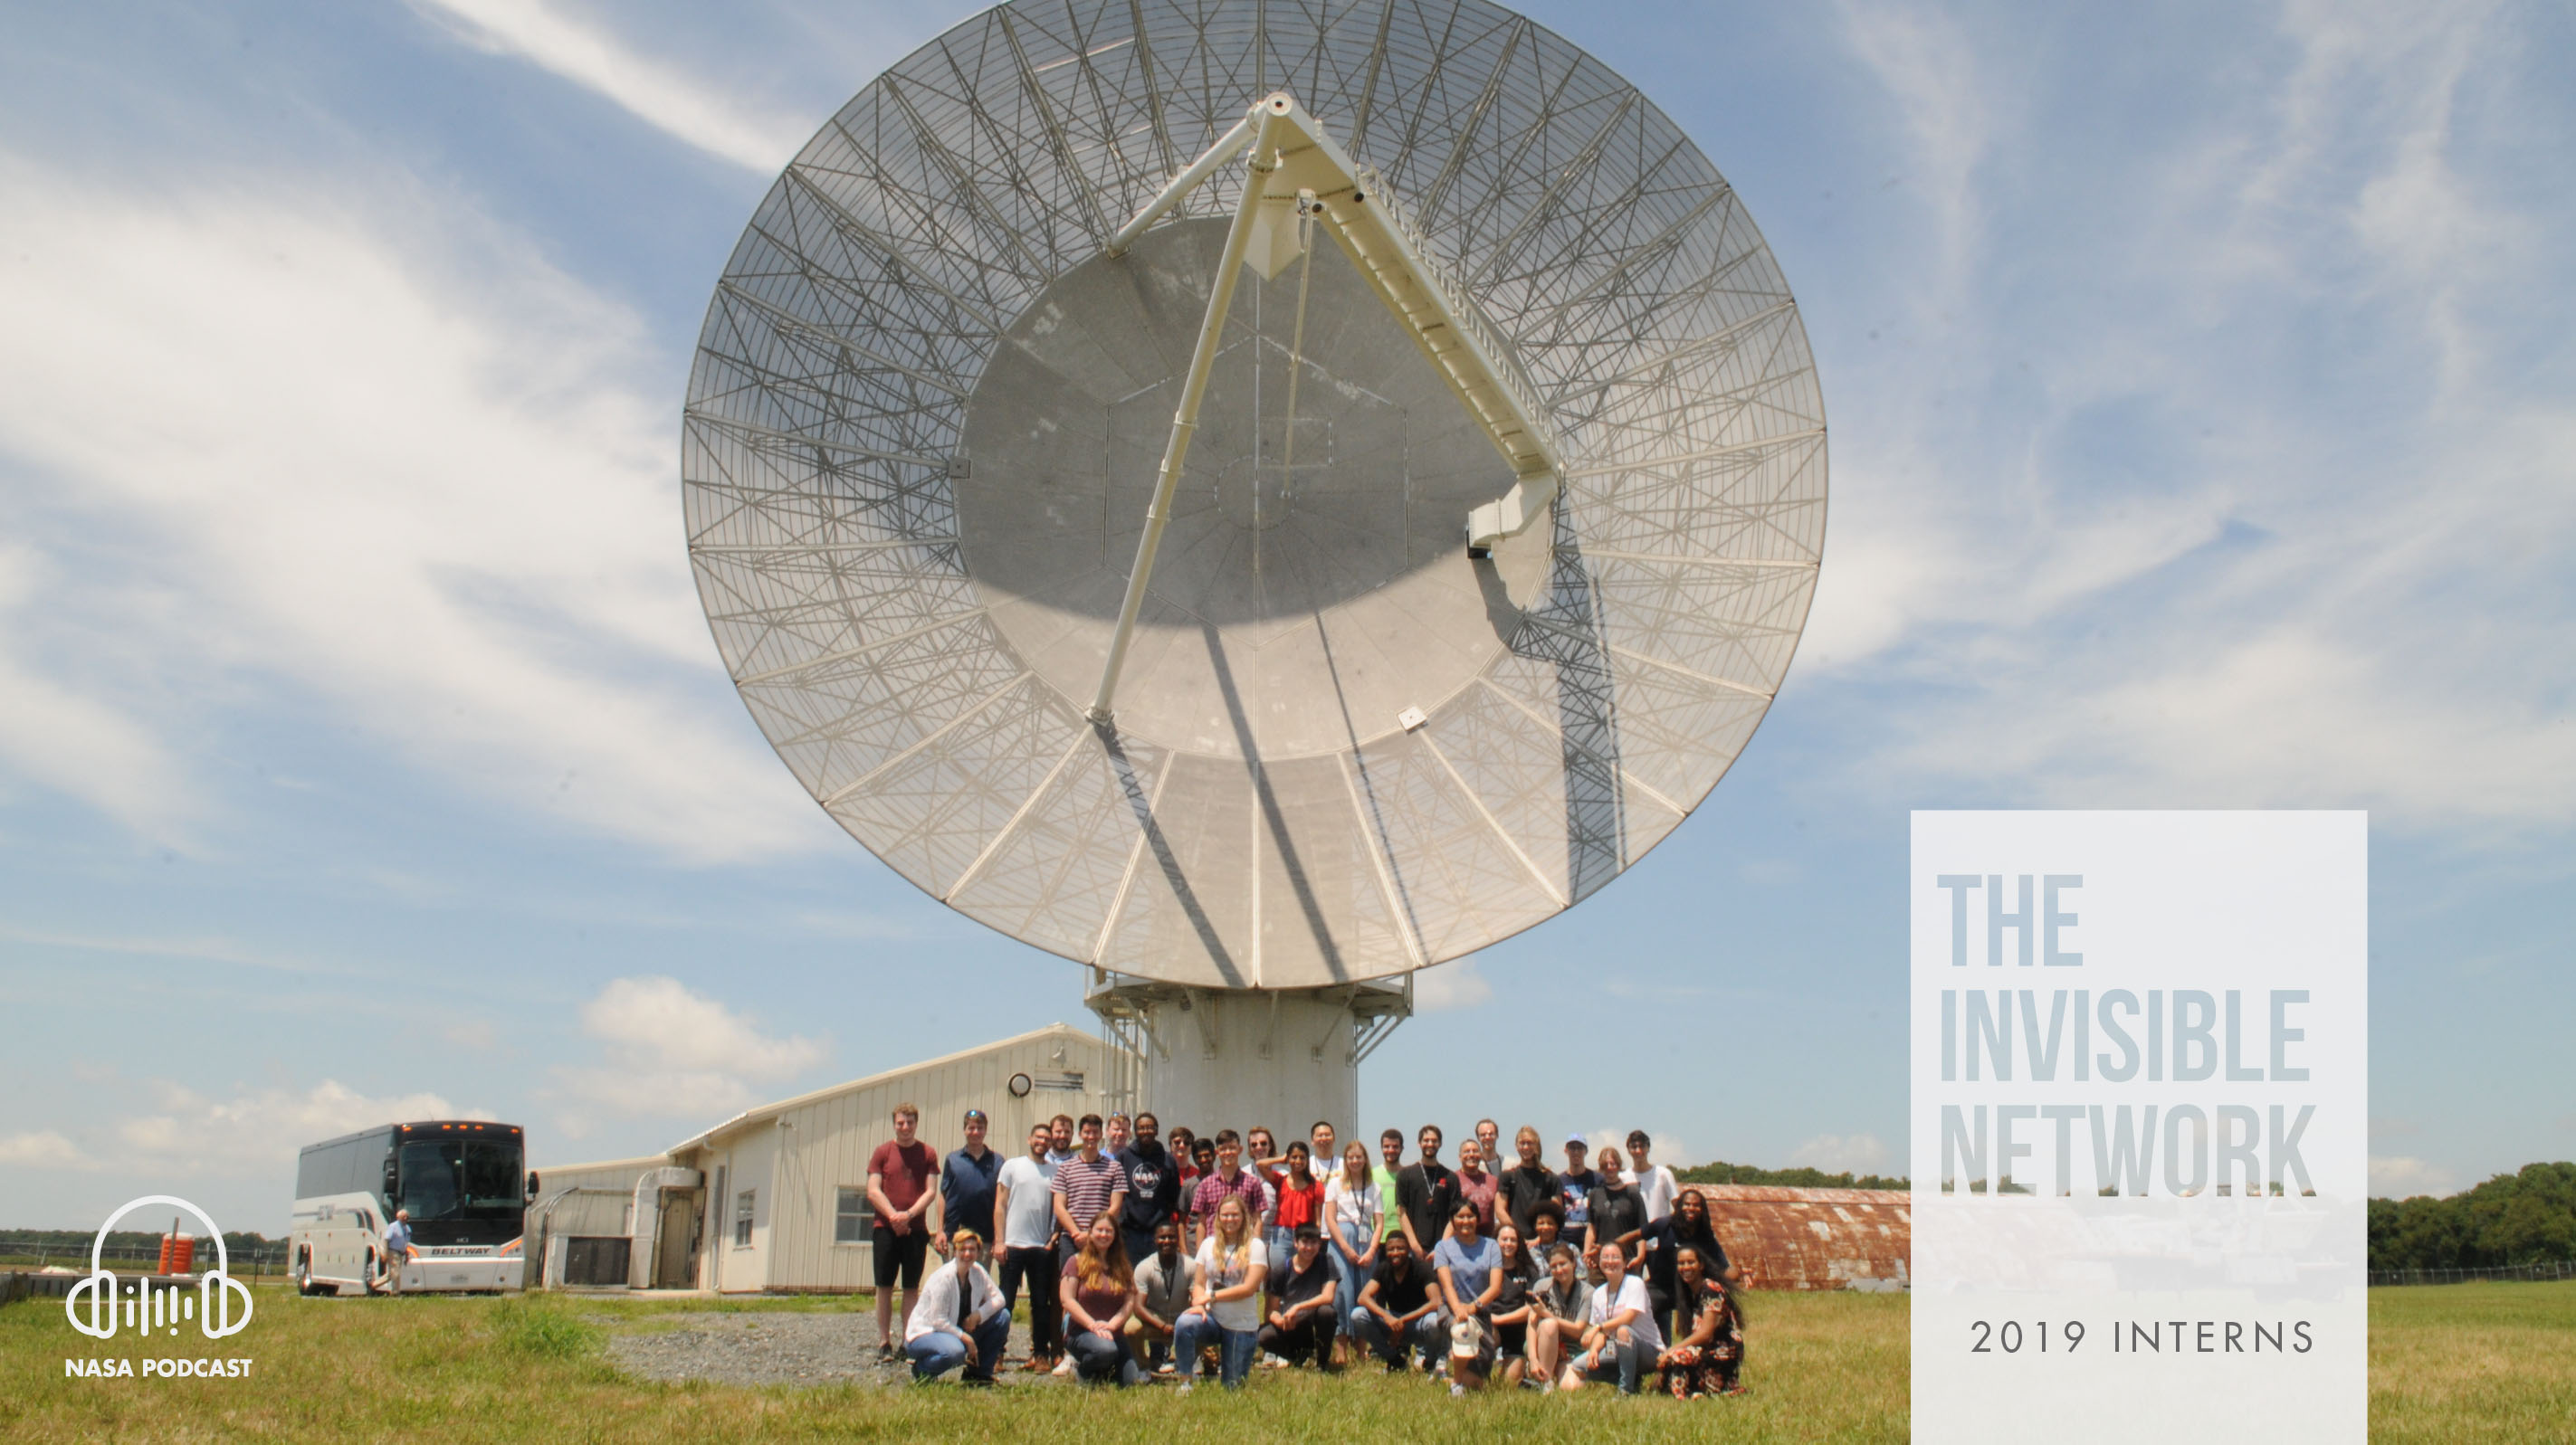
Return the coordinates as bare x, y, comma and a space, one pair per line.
1456, 1390
1187, 1385
1063, 1366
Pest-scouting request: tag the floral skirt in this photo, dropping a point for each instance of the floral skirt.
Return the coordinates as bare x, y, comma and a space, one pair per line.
1691, 1371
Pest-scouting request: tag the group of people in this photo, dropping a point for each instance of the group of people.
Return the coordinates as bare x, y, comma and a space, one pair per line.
1142, 1258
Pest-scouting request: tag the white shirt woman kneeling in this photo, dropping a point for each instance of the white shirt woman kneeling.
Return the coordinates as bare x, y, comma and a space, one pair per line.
1619, 1336
961, 1319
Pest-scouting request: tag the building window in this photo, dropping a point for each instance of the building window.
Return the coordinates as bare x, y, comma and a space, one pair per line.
742, 1219
853, 1219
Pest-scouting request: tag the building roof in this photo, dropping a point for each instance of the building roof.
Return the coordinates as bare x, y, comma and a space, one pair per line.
771, 1111
1815, 1238
639, 1163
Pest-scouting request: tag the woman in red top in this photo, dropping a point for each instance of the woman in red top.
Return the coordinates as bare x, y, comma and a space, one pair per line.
1297, 1198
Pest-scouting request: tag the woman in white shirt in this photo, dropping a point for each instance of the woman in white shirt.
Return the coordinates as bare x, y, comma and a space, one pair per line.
1351, 1214
1619, 1338
1226, 1302
961, 1319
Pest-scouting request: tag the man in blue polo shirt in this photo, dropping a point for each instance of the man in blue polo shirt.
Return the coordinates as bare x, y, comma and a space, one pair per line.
966, 1185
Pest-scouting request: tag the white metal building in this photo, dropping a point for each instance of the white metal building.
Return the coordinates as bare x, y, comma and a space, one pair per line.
775, 1198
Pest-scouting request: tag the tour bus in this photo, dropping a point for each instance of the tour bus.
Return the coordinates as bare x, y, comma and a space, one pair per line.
463, 1182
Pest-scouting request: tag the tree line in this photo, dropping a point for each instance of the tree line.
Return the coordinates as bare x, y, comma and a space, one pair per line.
27, 1241
2527, 1217
1725, 1173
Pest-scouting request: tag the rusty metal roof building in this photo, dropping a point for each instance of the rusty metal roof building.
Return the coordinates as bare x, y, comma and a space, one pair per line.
1814, 1238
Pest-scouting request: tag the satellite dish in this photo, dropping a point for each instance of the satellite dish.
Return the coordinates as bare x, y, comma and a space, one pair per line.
1483, 545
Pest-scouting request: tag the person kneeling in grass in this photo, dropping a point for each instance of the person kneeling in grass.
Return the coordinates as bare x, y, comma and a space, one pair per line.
1557, 1309
1163, 1286
1302, 1324
1400, 1307
960, 1319
1099, 1293
1619, 1337
1706, 1357
1225, 1305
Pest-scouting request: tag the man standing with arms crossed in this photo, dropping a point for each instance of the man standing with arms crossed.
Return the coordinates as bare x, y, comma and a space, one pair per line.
900, 1174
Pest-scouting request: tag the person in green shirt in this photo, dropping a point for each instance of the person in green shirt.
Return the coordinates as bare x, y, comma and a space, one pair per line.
1390, 1147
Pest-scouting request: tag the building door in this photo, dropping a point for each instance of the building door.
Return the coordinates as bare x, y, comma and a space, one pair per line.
678, 1229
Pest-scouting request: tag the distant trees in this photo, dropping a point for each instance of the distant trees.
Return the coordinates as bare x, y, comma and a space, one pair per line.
2522, 1218
1725, 1173
132, 1241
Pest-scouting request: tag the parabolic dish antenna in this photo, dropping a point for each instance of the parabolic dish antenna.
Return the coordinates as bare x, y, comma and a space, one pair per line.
1488, 294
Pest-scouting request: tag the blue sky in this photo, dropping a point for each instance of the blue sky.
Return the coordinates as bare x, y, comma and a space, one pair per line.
2200, 381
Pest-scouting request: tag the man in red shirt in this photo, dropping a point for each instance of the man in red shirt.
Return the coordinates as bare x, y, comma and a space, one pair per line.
900, 1175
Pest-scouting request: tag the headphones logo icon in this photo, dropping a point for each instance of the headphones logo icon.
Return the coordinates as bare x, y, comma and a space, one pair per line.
146, 1309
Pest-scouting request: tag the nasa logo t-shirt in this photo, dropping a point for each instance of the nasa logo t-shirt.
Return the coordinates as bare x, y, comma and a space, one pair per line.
1152, 1189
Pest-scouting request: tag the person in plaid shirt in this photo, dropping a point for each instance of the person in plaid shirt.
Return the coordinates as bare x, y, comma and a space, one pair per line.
1229, 1181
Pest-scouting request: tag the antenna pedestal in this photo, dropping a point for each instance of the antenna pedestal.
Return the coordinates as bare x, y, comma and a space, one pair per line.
1216, 1058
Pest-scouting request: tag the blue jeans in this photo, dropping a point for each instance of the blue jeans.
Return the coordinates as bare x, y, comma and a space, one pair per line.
1615, 1360
1282, 1246
1429, 1334
935, 1354
1346, 1298
1195, 1331
1097, 1359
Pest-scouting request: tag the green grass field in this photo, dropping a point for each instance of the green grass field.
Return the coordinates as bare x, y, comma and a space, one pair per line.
2452, 1363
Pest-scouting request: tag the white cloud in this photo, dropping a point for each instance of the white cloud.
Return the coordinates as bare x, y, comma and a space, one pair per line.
2399, 1177
1946, 101
2162, 551
1450, 986
659, 95
76, 742
388, 468
1842, 1154
259, 1129
668, 1052
43, 1149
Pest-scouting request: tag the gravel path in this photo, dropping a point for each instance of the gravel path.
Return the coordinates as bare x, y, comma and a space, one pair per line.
780, 1348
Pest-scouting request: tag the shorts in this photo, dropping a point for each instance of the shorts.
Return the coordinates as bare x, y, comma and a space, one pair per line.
895, 1252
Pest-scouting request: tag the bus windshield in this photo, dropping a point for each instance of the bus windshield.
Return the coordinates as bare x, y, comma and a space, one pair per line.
462, 1180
